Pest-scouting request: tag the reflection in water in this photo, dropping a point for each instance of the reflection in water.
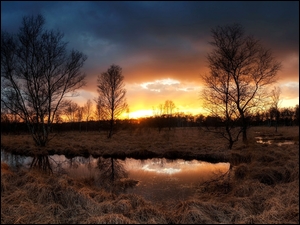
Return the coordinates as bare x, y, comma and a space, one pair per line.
159, 179
269, 140
41, 162
158, 166
260, 140
15, 160
111, 169
166, 180
161, 170
286, 143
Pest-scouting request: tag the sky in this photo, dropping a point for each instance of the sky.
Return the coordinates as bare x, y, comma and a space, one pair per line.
161, 46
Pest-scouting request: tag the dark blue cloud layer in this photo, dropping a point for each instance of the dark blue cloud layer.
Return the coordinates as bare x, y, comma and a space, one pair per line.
169, 34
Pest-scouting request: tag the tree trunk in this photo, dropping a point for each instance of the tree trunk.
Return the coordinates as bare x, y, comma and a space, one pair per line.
244, 126
110, 128
230, 144
245, 139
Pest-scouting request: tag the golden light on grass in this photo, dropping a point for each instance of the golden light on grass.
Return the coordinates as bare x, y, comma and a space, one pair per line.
264, 189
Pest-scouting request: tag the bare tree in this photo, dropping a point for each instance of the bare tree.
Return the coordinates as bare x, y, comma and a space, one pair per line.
71, 111
79, 116
240, 70
158, 111
112, 94
128, 113
158, 116
88, 111
169, 107
37, 73
58, 118
287, 114
297, 114
216, 98
99, 111
274, 110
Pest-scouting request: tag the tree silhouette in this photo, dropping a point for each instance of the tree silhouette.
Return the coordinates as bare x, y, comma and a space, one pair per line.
37, 72
87, 111
112, 94
240, 71
297, 114
99, 110
169, 107
274, 110
72, 111
158, 116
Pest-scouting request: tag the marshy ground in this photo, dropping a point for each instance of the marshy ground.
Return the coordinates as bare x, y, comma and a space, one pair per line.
261, 187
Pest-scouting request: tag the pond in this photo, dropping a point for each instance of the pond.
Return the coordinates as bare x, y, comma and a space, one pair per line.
159, 179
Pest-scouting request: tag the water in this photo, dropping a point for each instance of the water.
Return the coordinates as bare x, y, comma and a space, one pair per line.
165, 180
158, 179
270, 140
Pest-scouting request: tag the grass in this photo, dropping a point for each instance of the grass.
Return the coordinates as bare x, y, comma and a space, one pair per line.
261, 187
143, 143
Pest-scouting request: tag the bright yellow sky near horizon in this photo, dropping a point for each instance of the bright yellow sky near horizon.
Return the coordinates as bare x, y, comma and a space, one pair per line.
144, 98
150, 83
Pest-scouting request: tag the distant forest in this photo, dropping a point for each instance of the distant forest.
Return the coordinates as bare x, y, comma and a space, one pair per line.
283, 117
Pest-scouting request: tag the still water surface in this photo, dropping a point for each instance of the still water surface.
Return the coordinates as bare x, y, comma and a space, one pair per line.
271, 140
159, 179
165, 180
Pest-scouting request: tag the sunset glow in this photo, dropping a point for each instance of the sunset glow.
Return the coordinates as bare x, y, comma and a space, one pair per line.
137, 114
162, 46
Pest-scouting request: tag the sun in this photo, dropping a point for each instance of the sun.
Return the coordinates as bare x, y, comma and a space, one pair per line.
138, 114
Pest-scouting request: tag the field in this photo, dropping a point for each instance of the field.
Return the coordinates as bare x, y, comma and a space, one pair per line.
262, 185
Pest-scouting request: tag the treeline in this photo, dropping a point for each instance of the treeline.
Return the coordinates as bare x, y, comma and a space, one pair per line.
283, 117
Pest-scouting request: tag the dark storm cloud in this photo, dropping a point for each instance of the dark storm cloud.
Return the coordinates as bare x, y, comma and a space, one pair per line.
133, 22
151, 24
158, 37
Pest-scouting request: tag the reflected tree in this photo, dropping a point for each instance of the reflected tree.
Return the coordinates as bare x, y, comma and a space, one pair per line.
111, 169
112, 175
42, 163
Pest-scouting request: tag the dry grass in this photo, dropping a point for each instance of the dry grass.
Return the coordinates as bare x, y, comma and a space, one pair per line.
142, 143
261, 187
